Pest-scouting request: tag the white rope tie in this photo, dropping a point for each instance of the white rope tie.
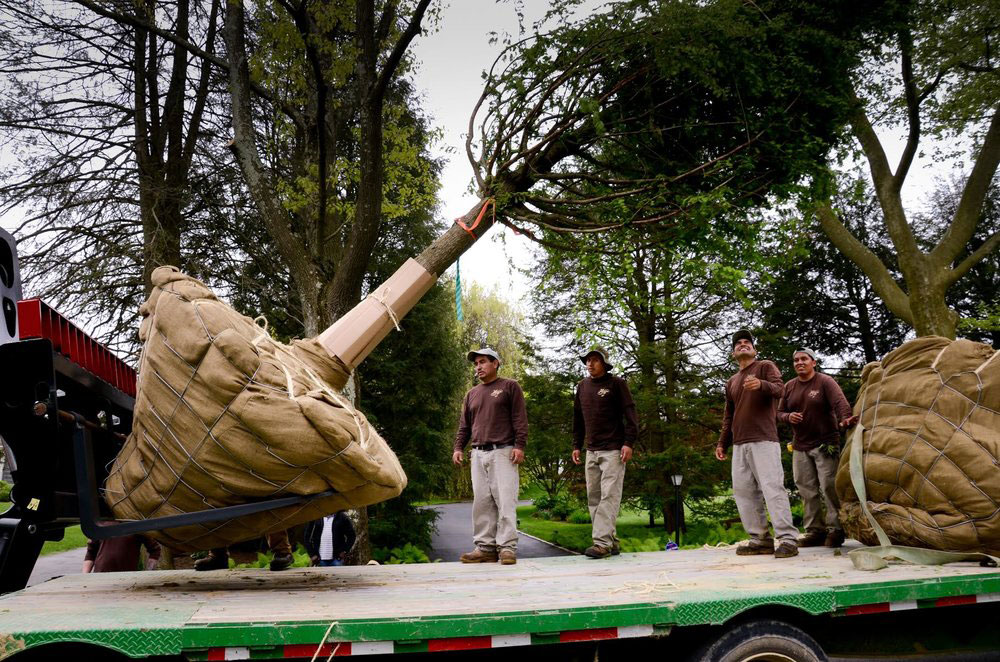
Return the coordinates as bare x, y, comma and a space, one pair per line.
266, 336
320, 647
662, 584
281, 354
380, 295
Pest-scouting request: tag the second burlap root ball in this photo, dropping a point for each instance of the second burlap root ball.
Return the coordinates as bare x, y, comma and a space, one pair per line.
225, 415
931, 414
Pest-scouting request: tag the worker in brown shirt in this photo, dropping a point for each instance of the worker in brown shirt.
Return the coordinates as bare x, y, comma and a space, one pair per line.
603, 417
816, 408
120, 554
748, 425
495, 421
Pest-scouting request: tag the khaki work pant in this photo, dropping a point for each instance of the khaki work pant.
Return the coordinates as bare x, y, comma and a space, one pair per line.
495, 484
605, 475
759, 479
814, 472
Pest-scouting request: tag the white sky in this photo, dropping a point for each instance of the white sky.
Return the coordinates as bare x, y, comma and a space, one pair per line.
451, 62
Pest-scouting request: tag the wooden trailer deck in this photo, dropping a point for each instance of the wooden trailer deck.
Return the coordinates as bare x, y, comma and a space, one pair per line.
245, 614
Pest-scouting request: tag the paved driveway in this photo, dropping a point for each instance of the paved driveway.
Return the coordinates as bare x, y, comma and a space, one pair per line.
454, 535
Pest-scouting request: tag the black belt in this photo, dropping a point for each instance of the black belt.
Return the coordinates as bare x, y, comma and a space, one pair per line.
491, 447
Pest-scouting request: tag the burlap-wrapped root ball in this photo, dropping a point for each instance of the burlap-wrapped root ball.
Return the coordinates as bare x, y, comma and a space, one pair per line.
931, 414
226, 415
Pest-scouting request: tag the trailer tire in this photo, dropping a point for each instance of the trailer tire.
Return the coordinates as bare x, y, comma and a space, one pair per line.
762, 641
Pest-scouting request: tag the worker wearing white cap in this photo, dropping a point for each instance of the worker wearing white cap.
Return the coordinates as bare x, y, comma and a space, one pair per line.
495, 421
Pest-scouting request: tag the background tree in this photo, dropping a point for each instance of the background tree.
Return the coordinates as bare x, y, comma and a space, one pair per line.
658, 306
549, 400
490, 320
298, 58
812, 297
976, 297
947, 86
110, 131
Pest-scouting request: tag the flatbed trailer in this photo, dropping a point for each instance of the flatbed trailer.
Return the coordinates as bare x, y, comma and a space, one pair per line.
683, 602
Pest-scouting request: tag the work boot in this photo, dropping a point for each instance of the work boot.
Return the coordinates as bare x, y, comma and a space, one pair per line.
479, 556
813, 538
750, 548
508, 557
835, 538
616, 549
281, 562
597, 552
786, 549
216, 560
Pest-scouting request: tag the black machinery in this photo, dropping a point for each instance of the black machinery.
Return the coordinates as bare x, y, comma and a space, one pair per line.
66, 407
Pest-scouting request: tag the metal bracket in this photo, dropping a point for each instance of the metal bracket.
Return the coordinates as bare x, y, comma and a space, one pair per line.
96, 527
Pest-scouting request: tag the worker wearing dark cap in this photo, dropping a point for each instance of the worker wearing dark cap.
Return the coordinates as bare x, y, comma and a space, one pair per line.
750, 427
816, 408
495, 421
603, 417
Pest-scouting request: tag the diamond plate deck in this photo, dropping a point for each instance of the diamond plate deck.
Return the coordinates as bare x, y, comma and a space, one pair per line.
167, 612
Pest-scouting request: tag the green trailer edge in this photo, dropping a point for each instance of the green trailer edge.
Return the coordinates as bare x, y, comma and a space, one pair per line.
266, 638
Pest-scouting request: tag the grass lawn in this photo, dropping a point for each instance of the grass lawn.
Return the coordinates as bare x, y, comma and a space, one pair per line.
633, 531
74, 538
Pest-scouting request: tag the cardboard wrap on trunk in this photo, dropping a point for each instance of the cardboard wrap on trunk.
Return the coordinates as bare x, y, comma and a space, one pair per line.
226, 415
355, 335
931, 416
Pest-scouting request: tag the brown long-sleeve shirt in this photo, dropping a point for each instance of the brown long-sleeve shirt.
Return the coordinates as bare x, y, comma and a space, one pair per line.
120, 554
822, 405
604, 414
750, 415
493, 413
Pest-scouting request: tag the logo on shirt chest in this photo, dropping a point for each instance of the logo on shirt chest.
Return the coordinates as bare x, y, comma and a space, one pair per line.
496, 393
603, 392
814, 394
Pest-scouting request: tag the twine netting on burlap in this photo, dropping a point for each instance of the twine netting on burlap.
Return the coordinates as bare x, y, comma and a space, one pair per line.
931, 417
226, 415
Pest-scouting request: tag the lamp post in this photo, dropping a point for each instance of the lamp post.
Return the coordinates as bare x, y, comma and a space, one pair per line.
675, 480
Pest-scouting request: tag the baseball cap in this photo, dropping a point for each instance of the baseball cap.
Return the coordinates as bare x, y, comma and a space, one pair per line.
805, 350
603, 353
744, 333
485, 351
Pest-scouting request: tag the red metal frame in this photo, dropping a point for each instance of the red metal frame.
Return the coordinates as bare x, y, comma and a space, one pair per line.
37, 320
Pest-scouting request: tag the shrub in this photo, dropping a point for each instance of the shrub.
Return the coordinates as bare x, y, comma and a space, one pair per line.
300, 555
408, 553
579, 516
558, 507
641, 545
545, 502
563, 509
5, 491
396, 523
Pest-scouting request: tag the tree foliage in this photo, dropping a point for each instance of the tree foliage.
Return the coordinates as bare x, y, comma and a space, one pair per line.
642, 114
548, 397
814, 298
114, 141
946, 85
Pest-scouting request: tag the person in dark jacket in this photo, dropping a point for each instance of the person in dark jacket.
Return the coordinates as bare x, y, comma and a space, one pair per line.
329, 539
604, 417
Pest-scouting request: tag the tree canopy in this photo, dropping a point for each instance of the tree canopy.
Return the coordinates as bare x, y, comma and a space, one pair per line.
946, 85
